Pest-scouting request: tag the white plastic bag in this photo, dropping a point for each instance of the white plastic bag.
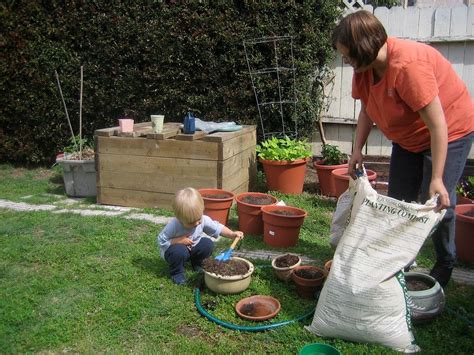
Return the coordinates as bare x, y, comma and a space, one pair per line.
364, 298
340, 217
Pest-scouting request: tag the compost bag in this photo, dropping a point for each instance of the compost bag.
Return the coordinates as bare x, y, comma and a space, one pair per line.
364, 298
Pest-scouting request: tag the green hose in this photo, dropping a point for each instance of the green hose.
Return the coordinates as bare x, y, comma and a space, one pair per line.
258, 328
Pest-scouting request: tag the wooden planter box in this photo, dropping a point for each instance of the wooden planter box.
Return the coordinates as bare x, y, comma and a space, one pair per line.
145, 169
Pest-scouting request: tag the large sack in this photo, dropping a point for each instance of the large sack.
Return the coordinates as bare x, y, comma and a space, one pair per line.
364, 298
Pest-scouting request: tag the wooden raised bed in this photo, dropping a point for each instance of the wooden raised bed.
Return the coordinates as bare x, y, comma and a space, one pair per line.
144, 169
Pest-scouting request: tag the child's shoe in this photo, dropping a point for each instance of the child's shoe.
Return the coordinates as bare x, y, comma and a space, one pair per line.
179, 279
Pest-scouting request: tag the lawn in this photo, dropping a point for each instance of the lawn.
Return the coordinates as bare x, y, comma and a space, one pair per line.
79, 284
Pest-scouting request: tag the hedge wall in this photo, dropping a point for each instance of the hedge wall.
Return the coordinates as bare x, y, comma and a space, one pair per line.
147, 57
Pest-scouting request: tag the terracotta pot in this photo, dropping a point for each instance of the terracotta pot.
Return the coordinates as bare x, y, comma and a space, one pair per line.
285, 176
250, 215
258, 307
217, 208
282, 230
461, 200
325, 178
306, 288
426, 304
464, 235
229, 284
341, 179
284, 273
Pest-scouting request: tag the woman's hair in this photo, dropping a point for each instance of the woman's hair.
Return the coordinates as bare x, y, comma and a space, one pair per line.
188, 205
363, 34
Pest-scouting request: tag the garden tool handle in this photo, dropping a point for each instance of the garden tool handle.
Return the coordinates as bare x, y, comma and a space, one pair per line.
234, 243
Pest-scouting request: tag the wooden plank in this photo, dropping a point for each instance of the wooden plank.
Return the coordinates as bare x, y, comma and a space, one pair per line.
239, 143
168, 148
442, 21
374, 142
140, 199
237, 166
412, 20
456, 56
191, 137
170, 133
396, 21
220, 137
425, 26
458, 25
333, 91
468, 68
347, 102
382, 13
345, 138
470, 21
106, 132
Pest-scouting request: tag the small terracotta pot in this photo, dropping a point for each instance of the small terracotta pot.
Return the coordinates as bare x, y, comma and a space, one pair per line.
306, 288
285, 176
341, 179
282, 230
217, 208
284, 273
464, 236
250, 215
325, 178
258, 307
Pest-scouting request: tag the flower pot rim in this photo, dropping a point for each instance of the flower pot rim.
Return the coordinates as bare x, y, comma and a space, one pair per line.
288, 267
319, 165
284, 162
272, 301
340, 173
463, 208
210, 191
234, 277
422, 277
269, 208
303, 267
238, 198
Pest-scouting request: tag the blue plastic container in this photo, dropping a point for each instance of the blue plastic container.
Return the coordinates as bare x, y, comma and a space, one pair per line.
189, 124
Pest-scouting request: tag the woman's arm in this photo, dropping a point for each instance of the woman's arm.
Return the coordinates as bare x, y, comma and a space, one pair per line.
364, 126
433, 116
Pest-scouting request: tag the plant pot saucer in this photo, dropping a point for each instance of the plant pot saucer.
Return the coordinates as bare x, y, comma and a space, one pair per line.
258, 307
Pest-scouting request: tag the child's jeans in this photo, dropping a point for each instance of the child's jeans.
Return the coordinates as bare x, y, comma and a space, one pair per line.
177, 255
410, 175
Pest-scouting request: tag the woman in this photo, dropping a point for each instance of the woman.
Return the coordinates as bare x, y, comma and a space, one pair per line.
414, 96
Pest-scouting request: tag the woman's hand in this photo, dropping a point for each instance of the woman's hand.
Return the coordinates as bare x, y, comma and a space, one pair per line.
437, 187
355, 162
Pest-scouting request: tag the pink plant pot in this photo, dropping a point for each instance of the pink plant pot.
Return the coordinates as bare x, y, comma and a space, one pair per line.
126, 125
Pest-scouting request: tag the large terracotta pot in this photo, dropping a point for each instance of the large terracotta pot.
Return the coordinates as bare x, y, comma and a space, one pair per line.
281, 225
306, 288
462, 200
341, 179
464, 233
217, 204
250, 214
285, 176
325, 178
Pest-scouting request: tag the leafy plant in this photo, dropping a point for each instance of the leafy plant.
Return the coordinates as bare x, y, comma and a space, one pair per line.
283, 149
73, 149
332, 155
465, 187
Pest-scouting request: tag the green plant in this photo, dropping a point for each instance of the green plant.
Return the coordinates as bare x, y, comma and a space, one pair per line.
332, 155
283, 149
73, 149
465, 187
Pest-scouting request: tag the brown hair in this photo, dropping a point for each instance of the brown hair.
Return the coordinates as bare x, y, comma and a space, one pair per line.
363, 34
188, 205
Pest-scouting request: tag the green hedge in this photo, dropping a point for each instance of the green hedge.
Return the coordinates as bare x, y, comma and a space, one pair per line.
146, 57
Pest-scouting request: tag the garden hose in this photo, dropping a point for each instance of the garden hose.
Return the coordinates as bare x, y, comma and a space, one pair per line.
258, 328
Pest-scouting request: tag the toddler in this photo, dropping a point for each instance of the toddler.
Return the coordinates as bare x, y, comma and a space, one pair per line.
183, 237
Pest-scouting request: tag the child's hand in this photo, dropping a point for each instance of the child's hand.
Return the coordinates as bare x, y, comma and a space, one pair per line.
239, 234
183, 240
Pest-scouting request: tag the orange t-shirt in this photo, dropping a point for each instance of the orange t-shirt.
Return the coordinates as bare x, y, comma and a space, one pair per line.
415, 75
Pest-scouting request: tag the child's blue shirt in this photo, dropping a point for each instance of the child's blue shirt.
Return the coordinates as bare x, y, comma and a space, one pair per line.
175, 229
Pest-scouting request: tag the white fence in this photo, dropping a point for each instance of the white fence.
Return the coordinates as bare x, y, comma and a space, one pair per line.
448, 29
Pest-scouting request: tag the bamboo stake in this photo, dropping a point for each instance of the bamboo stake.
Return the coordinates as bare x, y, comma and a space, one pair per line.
80, 116
65, 109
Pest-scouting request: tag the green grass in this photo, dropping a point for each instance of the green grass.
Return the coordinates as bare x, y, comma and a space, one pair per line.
98, 284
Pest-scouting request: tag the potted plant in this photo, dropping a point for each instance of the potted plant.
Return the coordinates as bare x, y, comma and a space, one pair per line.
285, 264
332, 158
217, 204
284, 163
249, 205
281, 225
78, 165
465, 190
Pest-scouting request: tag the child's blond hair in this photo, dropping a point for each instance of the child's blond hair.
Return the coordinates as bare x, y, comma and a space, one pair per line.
188, 205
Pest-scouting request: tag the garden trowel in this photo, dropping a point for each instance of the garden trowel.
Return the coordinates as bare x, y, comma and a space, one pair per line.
226, 255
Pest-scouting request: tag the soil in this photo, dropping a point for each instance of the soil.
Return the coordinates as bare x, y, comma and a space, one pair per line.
469, 214
309, 274
258, 200
256, 309
284, 212
87, 154
216, 196
286, 260
231, 267
417, 285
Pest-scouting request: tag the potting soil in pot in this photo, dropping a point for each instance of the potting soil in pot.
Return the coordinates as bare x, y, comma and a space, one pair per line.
309, 274
417, 285
286, 260
231, 267
257, 200
216, 196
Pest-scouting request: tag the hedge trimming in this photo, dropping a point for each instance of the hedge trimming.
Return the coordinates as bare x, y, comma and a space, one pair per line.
141, 58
